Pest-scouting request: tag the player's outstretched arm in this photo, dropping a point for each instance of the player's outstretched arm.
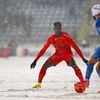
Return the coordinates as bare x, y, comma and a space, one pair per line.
42, 51
73, 44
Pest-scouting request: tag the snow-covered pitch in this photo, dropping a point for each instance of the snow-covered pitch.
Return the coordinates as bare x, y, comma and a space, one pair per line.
16, 81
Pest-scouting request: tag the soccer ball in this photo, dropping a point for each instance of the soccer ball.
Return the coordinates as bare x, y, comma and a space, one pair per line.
79, 87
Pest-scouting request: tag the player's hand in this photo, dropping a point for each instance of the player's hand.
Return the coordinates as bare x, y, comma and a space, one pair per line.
33, 64
85, 60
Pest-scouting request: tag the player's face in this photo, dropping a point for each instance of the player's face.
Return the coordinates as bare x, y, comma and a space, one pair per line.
97, 16
57, 30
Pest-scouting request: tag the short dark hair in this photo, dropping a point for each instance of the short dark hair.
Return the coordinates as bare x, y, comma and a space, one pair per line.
57, 24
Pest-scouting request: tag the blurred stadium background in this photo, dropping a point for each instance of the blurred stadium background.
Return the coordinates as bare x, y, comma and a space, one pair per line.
30, 22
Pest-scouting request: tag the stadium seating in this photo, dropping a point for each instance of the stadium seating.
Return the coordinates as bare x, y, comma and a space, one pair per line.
30, 21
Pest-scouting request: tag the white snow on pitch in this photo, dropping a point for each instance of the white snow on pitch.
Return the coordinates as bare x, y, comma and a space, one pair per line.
16, 81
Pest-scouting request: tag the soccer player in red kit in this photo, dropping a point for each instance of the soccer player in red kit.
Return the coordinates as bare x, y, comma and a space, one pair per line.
62, 43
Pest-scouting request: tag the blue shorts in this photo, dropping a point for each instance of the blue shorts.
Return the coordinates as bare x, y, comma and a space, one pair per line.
97, 53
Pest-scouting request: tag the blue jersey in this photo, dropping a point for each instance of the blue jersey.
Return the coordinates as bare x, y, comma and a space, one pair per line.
97, 52
95, 55
98, 26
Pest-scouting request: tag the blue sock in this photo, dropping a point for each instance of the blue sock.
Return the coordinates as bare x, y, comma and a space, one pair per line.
89, 71
98, 72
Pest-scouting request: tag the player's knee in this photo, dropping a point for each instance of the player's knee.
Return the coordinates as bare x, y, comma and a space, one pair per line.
48, 64
71, 63
93, 60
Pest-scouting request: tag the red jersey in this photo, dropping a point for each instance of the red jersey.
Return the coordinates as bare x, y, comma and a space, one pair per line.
61, 44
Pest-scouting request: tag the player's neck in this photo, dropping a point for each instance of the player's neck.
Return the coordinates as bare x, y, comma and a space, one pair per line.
58, 35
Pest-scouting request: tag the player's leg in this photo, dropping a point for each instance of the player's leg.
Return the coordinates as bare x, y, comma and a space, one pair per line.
98, 65
77, 71
52, 61
93, 60
98, 69
42, 72
44, 68
90, 67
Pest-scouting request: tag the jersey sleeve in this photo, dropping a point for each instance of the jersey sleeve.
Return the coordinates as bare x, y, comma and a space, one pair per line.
73, 44
42, 51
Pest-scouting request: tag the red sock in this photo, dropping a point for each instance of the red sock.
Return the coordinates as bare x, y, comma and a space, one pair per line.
78, 73
42, 74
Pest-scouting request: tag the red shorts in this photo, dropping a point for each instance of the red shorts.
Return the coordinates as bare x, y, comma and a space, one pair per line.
56, 58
